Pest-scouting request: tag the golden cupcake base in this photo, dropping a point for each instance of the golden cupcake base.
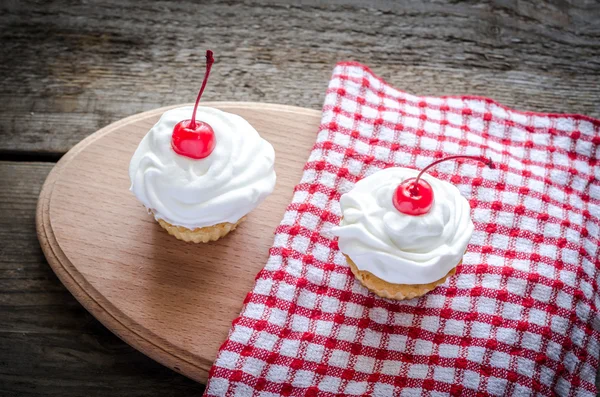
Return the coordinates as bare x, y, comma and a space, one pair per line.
394, 291
201, 234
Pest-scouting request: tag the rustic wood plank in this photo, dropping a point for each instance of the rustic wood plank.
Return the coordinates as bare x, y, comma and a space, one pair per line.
49, 345
71, 67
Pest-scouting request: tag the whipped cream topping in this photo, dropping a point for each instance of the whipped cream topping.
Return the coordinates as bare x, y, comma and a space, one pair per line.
400, 248
223, 187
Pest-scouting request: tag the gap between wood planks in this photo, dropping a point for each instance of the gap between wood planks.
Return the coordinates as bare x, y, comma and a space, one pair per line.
30, 157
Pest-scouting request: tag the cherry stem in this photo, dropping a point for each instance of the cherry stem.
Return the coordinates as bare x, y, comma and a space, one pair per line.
209, 62
485, 160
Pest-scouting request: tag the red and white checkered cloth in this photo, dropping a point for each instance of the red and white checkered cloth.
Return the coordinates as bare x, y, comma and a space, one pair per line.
520, 317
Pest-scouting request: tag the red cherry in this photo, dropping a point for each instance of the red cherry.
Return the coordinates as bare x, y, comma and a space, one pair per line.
191, 138
414, 196
413, 199
196, 143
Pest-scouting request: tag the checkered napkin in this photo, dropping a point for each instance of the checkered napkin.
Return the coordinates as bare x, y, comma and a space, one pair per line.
520, 317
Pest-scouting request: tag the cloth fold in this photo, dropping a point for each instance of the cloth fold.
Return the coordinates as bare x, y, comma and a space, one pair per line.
520, 317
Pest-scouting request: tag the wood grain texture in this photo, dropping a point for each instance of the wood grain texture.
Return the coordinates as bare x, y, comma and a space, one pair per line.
172, 300
71, 67
49, 344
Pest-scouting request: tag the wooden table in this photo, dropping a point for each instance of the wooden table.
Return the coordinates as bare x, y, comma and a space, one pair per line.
69, 68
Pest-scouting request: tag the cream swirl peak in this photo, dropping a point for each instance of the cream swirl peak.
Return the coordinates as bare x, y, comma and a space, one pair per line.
223, 187
401, 248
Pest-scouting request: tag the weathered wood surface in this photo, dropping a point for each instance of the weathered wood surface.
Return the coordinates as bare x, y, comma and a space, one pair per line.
71, 67
68, 68
49, 344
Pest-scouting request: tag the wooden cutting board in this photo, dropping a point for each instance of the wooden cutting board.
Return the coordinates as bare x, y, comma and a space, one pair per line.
173, 301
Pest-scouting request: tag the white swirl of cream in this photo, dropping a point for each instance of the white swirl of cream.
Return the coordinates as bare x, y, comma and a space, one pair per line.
400, 248
223, 187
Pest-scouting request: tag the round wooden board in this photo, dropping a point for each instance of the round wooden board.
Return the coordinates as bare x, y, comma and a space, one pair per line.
172, 300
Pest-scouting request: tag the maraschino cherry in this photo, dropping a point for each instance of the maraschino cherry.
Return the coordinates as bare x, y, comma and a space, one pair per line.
414, 196
191, 138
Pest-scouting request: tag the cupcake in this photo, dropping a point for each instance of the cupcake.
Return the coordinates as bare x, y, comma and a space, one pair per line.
200, 171
402, 232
